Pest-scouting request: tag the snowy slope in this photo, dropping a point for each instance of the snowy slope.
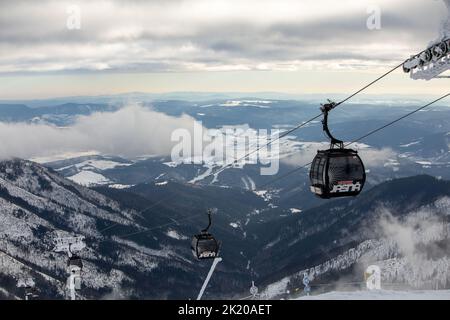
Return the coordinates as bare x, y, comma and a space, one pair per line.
37, 204
408, 239
382, 295
89, 178
143, 252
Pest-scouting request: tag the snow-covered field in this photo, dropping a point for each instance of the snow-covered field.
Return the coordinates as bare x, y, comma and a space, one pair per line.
382, 295
63, 156
89, 178
263, 104
96, 164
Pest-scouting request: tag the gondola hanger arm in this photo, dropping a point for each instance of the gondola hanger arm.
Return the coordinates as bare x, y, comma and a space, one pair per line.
209, 221
326, 108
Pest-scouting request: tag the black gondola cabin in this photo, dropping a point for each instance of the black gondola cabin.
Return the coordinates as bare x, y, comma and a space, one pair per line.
337, 173
204, 246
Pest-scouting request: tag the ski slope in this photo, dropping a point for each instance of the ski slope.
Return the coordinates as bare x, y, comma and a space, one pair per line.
382, 295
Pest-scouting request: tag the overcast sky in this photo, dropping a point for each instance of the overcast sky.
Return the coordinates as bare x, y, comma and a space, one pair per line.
296, 46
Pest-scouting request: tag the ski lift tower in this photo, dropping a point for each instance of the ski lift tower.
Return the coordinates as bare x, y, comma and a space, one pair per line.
71, 245
435, 60
254, 291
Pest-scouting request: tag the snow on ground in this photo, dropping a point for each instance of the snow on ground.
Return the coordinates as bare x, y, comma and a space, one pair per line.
409, 144
247, 103
392, 163
425, 163
175, 235
120, 186
161, 175
382, 295
295, 210
202, 176
235, 142
63, 156
171, 164
265, 194
86, 175
275, 289
97, 164
163, 183
89, 178
248, 182
271, 244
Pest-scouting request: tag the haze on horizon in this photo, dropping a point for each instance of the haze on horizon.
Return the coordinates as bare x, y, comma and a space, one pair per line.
300, 47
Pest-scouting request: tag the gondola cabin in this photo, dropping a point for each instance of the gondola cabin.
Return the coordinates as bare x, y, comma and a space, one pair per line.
337, 173
204, 246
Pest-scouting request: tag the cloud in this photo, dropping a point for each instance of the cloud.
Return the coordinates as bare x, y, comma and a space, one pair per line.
305, 155
129, 132
193, 35
371, 157
424, 226
422, 245
374, 158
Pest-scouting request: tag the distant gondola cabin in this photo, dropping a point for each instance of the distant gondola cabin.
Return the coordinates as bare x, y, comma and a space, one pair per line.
204, 246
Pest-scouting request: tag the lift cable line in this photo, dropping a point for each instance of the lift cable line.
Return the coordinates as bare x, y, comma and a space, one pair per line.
284, 134
312, 119
301, 167
399, 119
360, 138
161, 226
139, 212
369, 84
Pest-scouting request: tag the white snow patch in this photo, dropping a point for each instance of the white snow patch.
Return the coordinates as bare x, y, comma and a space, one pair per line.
103, 164
96, 164
425, 163
175, 235
409, 144
171, 164
120, 186
63, 156
89, 178
382, 295
264, 194
202, 176
275, 289
249, 183
247, 103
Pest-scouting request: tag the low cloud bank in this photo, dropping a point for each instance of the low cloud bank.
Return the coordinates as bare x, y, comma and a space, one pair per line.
129, 132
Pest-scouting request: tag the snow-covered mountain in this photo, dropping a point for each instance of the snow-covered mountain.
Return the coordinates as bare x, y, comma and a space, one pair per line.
270, 234
59, 114
37, 204
402, 226
382, 295
329, 242
416, 145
